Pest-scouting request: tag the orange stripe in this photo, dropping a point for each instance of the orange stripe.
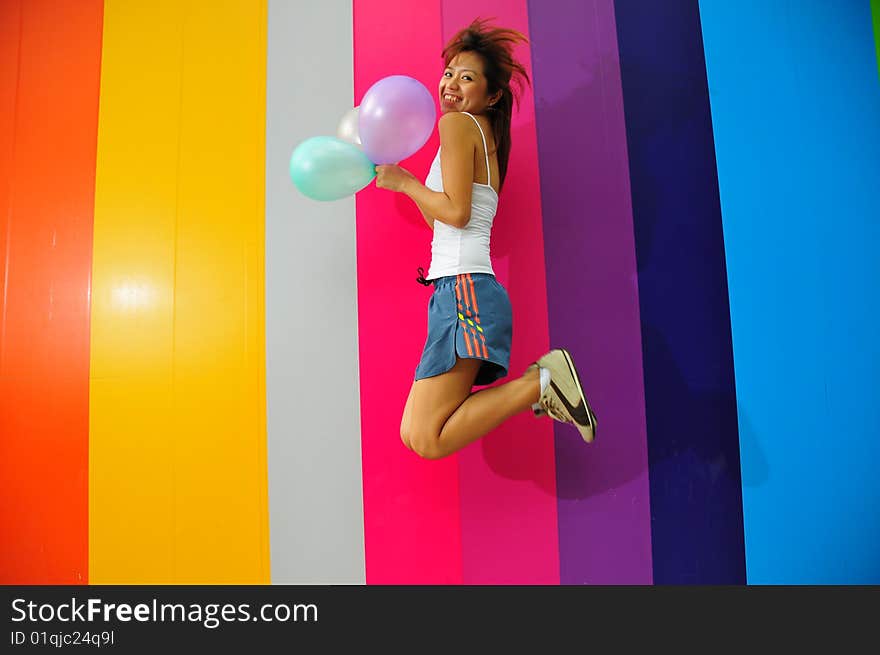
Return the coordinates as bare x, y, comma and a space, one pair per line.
467, 341
473, 294
467, 300
477, 317
462, 283
46, 222
459, 284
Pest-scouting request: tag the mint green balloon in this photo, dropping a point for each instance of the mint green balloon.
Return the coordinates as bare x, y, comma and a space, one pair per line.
327, 168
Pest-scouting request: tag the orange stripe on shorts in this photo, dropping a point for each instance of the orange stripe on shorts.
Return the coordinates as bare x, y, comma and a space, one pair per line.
467, 341
467, 300
473, 295
477, 316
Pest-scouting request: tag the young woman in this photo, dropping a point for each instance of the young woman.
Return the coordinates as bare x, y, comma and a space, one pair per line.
469, 314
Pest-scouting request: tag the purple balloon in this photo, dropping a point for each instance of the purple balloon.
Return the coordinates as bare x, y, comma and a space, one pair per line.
395, 119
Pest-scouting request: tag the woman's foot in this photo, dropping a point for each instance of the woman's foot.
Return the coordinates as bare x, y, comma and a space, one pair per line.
563, 399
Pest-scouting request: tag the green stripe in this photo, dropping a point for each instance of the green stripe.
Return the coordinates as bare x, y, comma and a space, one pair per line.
875, 12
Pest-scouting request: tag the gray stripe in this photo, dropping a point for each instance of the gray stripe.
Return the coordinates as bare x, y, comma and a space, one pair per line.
313, 415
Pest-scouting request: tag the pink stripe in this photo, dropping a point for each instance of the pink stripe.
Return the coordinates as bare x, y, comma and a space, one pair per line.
508, 479
412, 517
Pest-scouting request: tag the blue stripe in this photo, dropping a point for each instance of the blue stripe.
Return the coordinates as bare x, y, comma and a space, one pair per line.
797, 124
690, 395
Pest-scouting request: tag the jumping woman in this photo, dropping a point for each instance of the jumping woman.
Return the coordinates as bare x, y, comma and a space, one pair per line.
470, 323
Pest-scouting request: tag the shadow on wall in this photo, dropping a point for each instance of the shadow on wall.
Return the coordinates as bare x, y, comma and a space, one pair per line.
690, 420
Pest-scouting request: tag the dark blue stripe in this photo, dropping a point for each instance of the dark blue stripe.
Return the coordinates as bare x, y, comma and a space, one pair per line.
690, 395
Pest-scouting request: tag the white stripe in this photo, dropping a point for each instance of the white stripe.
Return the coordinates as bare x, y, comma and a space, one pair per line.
313, 415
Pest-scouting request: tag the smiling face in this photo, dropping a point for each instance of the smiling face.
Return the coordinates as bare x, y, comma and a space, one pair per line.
463, 87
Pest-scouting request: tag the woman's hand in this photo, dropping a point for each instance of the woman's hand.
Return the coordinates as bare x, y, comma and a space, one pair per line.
392, 177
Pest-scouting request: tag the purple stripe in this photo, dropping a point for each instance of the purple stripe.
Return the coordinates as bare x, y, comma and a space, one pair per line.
592, 289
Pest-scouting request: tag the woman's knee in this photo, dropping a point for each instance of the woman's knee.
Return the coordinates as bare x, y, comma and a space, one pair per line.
423, 443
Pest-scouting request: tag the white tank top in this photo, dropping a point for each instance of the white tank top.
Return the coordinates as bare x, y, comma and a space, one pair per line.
463, 250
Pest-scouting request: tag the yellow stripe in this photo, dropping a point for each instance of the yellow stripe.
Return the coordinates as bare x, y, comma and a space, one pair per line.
177, 476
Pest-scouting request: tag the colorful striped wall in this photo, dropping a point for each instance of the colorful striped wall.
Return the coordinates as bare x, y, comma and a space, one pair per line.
202, 371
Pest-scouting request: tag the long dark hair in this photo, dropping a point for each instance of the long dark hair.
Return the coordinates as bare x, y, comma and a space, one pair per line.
494, 45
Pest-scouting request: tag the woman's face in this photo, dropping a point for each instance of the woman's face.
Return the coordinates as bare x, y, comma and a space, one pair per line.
463, 86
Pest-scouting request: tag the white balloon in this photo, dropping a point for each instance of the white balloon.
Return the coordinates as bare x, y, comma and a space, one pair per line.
348, 127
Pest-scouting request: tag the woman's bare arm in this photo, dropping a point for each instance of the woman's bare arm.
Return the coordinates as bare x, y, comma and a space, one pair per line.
452, 205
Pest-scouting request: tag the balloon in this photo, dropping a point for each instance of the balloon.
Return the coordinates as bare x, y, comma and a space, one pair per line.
327, 168
396, 118
348, 127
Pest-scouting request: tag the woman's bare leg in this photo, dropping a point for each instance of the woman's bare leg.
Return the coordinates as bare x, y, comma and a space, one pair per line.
406, 419
442, 415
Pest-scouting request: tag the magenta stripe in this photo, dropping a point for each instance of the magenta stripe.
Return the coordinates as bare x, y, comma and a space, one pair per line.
411, 507
508, 479
604, 513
